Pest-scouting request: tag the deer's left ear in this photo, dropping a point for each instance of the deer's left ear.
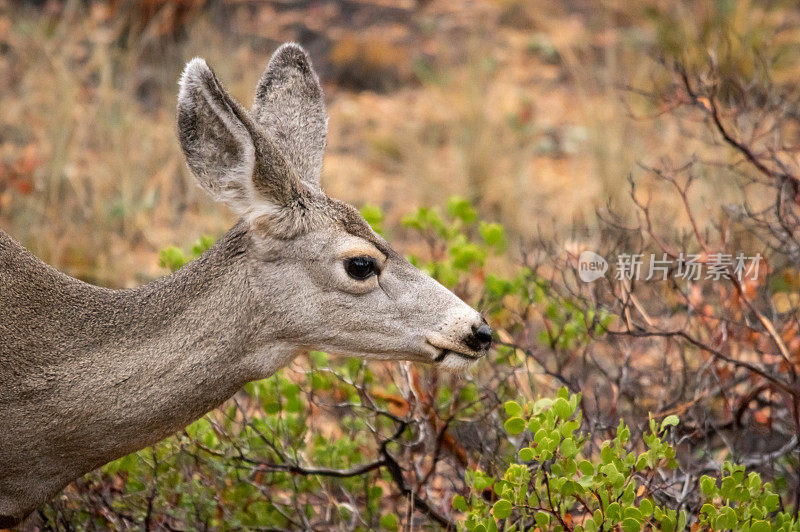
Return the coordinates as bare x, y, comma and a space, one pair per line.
289, 103
235, 160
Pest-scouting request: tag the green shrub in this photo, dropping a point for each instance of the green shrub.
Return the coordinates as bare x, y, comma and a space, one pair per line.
741, 501
558, 483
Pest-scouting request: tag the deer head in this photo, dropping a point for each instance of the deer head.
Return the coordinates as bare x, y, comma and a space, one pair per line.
319, 277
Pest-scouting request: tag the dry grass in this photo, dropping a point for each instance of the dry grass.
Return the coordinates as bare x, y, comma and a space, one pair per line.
517, 105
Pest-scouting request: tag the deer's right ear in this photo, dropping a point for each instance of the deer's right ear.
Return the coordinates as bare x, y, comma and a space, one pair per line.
231, 159
290, 105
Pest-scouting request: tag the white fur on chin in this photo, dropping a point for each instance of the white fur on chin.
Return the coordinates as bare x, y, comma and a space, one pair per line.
456, 364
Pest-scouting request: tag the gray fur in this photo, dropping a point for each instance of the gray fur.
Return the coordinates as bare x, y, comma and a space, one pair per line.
89, 374
290, 105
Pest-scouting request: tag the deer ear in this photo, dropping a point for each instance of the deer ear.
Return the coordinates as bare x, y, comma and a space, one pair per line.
235, 160
218, 147
290, 105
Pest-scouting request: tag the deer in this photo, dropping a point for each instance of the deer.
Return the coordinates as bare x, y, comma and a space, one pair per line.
89, 374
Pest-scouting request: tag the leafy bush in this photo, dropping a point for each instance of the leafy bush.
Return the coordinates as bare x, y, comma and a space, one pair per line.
741, 501
566, 488
557, 483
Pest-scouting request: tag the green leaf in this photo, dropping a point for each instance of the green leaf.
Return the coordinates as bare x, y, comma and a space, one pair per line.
568, 448
515, 425
613, 511
760, 526
494, 235
172, 257
374, 217
500, 487
481, 481
201, 245
466, 254
646, 507
586, 467
708, 485
754, 483
390, 522
632, 512
375, 492
569, 427
606, 454
562, 408
629, 524
497, 286
542, 404
294, 404
683, 518
460, 503
460, 208
513, 409
568, 488
526, 454
771, 502
728, 517
708, 510
501, 509
319, 358
669, 421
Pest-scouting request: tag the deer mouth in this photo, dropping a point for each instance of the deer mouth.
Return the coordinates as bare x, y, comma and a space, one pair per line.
444, 352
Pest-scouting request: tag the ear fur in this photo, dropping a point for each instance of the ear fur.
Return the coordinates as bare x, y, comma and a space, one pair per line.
290, 105
218, 148
232, 159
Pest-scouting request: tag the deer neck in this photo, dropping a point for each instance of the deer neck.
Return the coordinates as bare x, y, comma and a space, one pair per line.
133, 366
109, 372
193, 339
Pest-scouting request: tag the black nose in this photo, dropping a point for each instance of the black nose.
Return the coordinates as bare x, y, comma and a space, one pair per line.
481, 337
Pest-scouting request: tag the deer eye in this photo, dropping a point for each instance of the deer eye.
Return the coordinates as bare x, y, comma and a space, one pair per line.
361, 267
